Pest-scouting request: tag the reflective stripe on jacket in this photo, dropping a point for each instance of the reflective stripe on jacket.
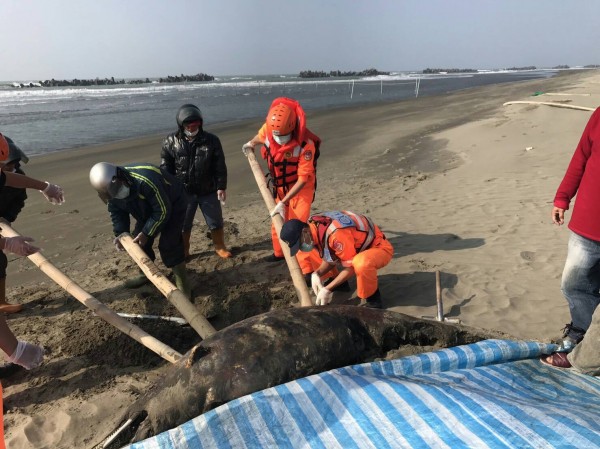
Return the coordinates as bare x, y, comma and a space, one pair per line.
154, 193
327, 223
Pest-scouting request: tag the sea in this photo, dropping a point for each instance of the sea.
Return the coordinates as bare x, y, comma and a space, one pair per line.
43, 120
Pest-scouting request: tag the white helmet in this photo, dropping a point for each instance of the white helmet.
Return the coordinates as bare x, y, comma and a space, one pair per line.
105, 178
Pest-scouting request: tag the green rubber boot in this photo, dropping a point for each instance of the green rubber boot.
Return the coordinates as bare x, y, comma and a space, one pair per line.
181, 279
136, 282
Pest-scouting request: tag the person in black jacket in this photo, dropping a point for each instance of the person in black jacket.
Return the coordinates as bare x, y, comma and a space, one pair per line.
196, 158
157, 201
12, 201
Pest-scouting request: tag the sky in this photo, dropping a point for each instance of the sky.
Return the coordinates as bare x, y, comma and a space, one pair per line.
66, 39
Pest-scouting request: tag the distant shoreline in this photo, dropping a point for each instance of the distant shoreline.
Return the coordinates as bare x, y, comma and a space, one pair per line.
75, 82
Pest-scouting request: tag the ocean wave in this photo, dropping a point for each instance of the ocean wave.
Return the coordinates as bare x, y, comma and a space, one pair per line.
37, 94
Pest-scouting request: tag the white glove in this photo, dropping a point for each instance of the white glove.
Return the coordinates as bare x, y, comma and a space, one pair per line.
221, 196
54, 193
118, 244
324, 297
247, 148
278, 209
20, 245
316, 283
27, 355
141, 239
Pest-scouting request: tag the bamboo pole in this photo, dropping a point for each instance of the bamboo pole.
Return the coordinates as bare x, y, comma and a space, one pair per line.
547, 103
188, 310
295, 271
166, 352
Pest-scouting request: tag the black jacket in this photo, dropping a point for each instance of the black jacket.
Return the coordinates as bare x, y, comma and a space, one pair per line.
153, 195
12, 201
199, 164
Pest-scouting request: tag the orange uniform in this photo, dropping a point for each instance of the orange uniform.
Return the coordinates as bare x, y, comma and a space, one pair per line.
354, 241
288, 164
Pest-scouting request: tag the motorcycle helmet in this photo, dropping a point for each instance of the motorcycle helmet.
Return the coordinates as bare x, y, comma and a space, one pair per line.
188, 113
109, 181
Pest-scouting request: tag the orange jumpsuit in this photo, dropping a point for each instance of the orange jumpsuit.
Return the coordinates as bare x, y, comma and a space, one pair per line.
299, 206
358, 244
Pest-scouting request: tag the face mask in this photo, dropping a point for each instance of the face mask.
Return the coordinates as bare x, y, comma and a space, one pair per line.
191, 133
306, 243
123, 192
306, 247
282, 140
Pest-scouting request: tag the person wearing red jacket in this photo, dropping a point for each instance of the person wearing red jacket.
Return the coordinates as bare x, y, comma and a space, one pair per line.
580, 283
290, 150
344, 237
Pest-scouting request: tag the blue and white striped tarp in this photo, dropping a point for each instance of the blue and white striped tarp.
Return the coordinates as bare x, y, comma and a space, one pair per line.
491, 394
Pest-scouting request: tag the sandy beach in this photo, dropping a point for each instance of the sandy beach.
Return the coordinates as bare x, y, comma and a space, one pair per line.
459, 183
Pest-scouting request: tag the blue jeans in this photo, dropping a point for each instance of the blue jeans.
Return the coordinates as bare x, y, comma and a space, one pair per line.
210, 207
581, 279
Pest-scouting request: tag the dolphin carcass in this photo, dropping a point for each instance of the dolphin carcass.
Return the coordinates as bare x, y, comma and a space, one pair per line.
273, 348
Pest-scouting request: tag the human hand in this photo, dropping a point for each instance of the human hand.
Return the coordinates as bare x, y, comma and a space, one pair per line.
27, 355
278, 209
316, 283
247, 148
221, 196
54, 193
324, 297
558, 215
20, 245
118, 244
141, 239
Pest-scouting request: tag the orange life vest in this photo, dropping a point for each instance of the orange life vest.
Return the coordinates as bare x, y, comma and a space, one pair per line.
283, 160
327, 223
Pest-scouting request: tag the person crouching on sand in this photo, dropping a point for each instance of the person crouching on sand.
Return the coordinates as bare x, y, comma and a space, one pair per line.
345, 237
157, 201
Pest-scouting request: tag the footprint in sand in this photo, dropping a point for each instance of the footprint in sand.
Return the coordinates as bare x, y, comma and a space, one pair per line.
528, 256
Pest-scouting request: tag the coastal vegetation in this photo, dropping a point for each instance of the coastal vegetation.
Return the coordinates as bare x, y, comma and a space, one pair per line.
112, 81
339, 73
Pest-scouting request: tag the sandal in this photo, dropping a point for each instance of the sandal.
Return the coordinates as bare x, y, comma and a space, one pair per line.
558, 359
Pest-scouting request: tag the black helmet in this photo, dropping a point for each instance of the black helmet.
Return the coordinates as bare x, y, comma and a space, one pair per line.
188, 113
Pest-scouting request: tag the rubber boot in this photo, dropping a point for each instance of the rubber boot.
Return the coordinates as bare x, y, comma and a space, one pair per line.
186, 235
137, 281
218, 238
4, 306
373, 301
181, 279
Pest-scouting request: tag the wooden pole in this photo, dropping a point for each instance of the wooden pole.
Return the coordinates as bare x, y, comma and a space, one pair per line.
295, 271
555, 105
188, 310
438, 297
166, 352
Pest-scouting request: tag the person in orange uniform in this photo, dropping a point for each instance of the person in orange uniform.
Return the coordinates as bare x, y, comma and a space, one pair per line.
345, 237
290, 150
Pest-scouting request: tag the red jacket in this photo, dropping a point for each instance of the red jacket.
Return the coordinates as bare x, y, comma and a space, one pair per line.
583, 178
